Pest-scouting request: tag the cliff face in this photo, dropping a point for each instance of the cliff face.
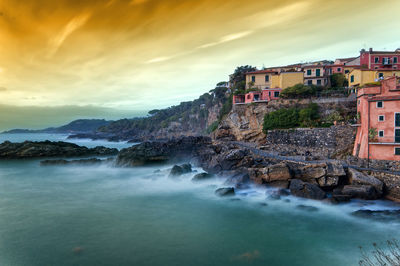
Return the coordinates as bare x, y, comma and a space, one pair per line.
245, 122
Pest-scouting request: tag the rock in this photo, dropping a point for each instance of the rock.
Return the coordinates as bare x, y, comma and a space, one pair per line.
226, 191
178, 170
90, 161
279, 184
335, 169
306, 190
202, 176
279, 172
360, 191
162, 151
31, 149
328, 181
264, 204
307, 208
308, 172
380, 215
358, 178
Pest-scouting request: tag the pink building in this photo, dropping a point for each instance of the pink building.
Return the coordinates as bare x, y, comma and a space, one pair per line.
380, 60
264, 95
379, 113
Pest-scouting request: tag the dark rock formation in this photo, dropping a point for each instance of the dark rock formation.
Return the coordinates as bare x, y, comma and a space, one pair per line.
306, 190
358, 178
307, 208
380, 215
361, 191
226, 191
69, 162
178, 170
30, 149
153, 152
202, 176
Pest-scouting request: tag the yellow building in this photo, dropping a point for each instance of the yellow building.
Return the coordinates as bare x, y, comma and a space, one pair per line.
266, 79
359, 77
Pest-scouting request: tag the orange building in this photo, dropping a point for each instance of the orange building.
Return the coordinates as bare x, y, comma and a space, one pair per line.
378, 132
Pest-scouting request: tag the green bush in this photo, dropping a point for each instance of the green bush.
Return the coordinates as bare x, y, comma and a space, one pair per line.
292, 117
338, 80
300, 91
212, 127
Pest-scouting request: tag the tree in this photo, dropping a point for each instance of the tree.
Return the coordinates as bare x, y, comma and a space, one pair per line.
339, 80
240, 74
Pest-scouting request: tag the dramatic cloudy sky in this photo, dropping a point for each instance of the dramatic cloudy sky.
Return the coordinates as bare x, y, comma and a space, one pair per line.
117, 58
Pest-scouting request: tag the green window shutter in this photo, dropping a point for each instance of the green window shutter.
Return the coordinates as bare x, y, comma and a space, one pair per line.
318, 72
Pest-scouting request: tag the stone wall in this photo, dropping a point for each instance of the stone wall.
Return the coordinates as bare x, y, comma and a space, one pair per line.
332, 142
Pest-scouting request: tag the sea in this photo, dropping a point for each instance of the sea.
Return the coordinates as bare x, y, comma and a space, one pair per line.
105, 215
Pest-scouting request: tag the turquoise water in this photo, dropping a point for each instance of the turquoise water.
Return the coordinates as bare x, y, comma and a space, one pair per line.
101, 215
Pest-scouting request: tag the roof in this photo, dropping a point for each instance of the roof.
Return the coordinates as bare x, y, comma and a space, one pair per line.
384, 98
347, 59
383, 52
262, 72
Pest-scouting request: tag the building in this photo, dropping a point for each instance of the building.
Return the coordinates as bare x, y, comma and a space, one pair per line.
265, 95
359, 77
267, 79
344, 65
378, 110
316, 74
380, 60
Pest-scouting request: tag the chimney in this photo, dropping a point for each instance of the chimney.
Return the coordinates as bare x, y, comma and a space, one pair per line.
362, 51
370, 50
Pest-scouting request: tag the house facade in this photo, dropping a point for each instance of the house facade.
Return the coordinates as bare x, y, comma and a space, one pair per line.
359, 77
267, 79
316, 75
378, 131
380, 60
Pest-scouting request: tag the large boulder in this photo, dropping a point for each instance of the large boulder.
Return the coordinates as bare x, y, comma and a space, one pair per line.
309, 172
328, 181
358, 178
279, 172
306, 190
225, 191
361, 191
335, 169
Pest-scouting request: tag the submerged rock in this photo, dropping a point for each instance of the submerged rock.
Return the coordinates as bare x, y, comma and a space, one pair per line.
381, 215
202, 176
226, 191
306, 190
90, 161
307, 208
178, 170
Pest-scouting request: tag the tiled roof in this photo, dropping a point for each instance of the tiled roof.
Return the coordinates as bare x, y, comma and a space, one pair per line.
262, 72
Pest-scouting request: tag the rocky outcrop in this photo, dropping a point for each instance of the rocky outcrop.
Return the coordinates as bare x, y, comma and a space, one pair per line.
157, 151
30, 149
360, 191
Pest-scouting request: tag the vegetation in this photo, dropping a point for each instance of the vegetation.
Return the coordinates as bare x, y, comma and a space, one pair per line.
372, 134
292, 117
300, 91
239, 74
339, 80
389, 255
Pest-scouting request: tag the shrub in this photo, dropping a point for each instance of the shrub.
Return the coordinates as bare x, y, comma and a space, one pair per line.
212, 127
338, 80
300, 91
281, 119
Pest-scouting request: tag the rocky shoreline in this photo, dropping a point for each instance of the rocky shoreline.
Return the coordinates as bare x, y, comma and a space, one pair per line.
328, 180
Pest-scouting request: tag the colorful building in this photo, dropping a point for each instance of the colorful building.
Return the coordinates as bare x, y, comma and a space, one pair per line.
265, 95
316, 74
267, 79
380, 60
359, 77
378, 131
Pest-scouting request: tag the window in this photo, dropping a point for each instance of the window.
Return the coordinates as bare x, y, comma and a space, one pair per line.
397, 135
339, 69
376, 60
381, 118
385, 61
308, 72
352, 78
397, 119
309, 82
376, 67
319, 82
380, 75
381, 133
276, 94
379, 104
253, 78
318, 72
395, 60
346, 71
269, 94
396, 151
266, 78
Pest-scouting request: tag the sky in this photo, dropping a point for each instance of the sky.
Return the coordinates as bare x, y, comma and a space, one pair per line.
67, 59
